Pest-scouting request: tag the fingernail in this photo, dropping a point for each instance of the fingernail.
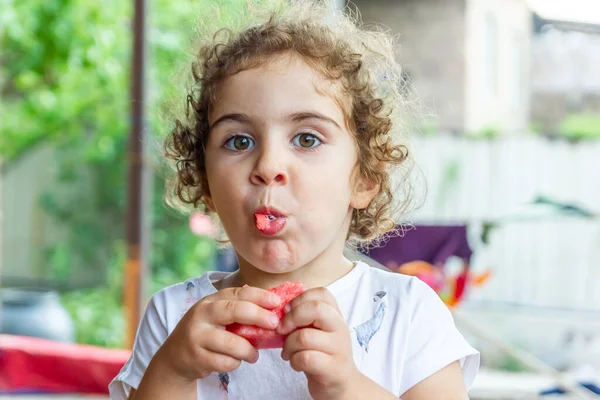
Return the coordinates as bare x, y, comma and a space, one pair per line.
287, 308
274, 320
275, 299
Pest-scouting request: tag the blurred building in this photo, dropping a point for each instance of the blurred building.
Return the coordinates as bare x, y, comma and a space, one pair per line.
27, 230
25, 227
565, 71
468, 60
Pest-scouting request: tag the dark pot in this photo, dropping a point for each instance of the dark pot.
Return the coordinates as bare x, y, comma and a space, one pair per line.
33, 312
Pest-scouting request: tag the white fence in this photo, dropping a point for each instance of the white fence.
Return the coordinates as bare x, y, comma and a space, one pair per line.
548, 262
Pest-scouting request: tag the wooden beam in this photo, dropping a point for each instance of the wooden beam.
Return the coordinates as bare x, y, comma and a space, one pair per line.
138, 204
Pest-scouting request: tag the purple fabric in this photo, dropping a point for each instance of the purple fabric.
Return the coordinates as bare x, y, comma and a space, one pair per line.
431, 243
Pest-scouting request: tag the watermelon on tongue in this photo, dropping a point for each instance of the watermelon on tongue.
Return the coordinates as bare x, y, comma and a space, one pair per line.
262, 221
269, 338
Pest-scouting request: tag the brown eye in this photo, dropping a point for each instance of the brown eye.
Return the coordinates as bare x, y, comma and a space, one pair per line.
239, 143
306, 141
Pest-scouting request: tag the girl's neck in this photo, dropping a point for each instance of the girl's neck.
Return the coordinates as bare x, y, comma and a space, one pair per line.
321, 271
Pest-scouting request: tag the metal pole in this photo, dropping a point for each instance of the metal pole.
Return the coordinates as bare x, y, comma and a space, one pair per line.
138, 185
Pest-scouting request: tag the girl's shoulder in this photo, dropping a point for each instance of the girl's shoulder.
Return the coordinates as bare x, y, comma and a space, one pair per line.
199, 287
404, 295
399, 286
172, 302
403, 318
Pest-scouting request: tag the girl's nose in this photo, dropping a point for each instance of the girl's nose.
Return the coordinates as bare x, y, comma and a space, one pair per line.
269, 168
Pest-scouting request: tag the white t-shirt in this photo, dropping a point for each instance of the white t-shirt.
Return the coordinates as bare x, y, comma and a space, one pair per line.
401, 332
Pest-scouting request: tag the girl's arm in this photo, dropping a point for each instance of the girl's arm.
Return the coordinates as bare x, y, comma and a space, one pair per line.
159, 382
446, 384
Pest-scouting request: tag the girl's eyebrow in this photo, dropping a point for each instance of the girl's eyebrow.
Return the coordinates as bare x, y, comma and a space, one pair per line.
302, 116
295, 117
235, 117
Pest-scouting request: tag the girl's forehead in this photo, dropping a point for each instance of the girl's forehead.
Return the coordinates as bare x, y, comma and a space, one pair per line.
283, 84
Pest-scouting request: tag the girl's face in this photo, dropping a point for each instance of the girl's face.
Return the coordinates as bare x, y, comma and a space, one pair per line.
280, 165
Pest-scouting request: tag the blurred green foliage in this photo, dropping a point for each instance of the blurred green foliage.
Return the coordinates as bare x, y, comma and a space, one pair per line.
580, 126
489, 132
97, 313
64, 82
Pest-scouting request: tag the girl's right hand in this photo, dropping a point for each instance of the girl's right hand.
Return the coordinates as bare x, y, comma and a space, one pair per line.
199, 345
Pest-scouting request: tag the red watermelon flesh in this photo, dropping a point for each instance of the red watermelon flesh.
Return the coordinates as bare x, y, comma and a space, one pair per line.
269, 338
261, 221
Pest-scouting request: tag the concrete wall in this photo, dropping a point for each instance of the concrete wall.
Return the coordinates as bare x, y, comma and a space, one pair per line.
431, 50
468, 59
498, 65
28, 231
24, 224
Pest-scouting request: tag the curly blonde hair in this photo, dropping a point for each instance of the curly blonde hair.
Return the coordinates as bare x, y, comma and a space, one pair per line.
362, 61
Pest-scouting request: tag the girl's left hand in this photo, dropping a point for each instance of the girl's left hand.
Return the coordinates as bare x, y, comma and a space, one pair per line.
321, 346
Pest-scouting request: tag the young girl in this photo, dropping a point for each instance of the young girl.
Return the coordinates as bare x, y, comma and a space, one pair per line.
293, 131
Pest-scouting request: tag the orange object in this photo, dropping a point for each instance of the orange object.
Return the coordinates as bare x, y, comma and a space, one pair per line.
450, 289
414, 268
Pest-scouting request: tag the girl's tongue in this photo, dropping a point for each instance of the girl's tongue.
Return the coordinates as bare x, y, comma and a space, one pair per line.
269, 224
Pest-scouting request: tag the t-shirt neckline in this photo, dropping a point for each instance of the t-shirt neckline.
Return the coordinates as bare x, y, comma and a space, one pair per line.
336, 287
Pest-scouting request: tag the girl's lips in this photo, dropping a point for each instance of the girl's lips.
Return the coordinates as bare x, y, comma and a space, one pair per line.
269, 224
264, 210
269, 221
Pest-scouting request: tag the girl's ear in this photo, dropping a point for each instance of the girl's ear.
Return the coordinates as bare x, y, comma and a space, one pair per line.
365, 191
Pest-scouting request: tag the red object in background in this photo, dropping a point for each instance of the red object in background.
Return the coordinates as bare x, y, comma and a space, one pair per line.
30, 364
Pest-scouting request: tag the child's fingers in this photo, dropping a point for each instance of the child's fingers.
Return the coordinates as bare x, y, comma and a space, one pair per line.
315, 294
311, 362
225, 312
255, 295
214, 361
316, 313
231, 345
309, 339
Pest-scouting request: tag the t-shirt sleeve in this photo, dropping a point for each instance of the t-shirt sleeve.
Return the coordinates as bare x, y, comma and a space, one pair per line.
434, 342
151, 334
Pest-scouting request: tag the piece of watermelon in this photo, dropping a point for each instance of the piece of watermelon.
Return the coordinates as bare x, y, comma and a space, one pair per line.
262, 221
269, 338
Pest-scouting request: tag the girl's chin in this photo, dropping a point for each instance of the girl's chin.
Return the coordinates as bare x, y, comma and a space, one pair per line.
275, 271
275, 262
277, 266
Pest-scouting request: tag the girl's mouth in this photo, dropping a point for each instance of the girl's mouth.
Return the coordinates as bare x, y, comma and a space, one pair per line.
269, 221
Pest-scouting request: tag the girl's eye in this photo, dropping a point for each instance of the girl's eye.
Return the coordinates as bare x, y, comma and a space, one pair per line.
239, 143
306, 141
